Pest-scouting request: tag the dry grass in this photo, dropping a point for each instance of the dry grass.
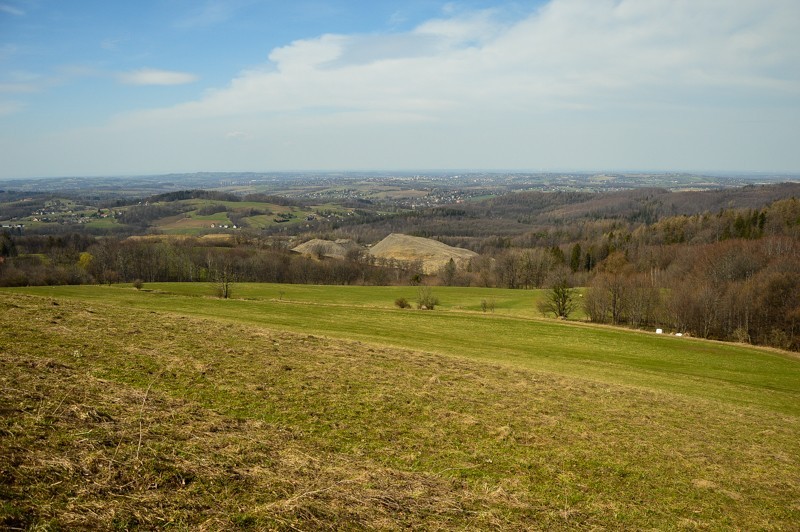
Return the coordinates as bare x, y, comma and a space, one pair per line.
120, 418
84, 453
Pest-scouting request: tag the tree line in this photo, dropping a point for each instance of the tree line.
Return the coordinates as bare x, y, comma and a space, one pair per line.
82, 259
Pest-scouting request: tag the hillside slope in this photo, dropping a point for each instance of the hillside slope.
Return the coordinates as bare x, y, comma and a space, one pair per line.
118, 417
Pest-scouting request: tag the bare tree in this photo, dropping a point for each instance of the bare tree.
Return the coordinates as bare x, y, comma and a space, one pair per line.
642, 300
606, 297
560, 300
221, 272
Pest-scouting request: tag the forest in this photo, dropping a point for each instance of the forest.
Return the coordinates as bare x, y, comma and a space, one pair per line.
719, 264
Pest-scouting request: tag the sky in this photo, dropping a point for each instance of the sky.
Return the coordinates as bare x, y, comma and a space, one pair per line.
169, 86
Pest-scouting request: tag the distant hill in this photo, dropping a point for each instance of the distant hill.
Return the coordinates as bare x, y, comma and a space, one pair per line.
433, 254
651, 204
536, 212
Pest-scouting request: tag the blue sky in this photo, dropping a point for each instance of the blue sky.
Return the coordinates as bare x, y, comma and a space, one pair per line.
123, 88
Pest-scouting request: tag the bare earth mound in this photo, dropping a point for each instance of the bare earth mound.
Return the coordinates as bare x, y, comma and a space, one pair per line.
433, 254
317, 247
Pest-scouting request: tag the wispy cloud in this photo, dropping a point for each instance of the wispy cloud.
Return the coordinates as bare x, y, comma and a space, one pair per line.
110, 45
237, 135
24, 82
210, 13
397, 18
10, 107
11, 10
150, 76
18, 88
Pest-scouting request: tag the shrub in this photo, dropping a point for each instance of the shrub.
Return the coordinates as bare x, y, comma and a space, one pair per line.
138, 284
426, 300
402, 302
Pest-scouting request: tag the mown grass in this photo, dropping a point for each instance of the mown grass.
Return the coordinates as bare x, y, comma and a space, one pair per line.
132, 409
733, 373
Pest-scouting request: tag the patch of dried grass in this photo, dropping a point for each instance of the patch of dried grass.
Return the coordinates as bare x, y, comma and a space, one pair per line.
81, 452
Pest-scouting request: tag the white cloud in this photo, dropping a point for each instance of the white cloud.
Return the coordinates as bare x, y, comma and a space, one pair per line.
150, 76
571, 54
308, 53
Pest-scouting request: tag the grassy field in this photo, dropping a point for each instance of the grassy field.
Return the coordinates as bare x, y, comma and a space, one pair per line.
306, 407
510, 302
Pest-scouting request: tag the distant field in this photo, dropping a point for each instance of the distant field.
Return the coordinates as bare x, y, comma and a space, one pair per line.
327, 407
66, 214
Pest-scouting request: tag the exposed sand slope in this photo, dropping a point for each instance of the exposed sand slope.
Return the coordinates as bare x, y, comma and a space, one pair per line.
433, 254
327, 248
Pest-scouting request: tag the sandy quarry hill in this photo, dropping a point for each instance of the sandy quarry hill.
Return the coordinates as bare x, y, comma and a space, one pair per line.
328, 248
433, 254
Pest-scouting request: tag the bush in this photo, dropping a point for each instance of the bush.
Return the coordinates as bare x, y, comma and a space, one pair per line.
426, 300
402, 302
138, 284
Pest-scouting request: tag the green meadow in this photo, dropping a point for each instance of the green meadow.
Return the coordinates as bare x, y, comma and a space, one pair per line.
297, 407
511, 335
